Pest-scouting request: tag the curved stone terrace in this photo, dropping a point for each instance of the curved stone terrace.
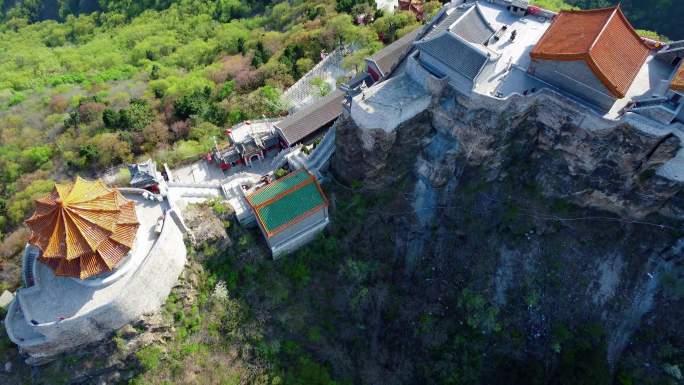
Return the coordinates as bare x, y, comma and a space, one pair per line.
55, 299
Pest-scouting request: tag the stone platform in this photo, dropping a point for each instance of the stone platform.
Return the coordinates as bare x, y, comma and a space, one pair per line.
57, 314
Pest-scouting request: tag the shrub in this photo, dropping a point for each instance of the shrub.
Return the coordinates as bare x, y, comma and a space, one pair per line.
195, 103
21, 203
298, 272
90, 112
150, 357
16, 98
121, 178
33, 158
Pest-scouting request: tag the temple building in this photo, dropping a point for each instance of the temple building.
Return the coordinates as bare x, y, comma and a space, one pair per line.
594, 54
311, 121
92, 264
145, 175
244, 152
290, 211
498, 49
456, 48
382, 63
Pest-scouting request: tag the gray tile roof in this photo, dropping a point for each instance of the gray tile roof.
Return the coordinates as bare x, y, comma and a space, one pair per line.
473, 27
248, 147
454, 53
466, 21
306, 121
446, 20
227, 155
387, 58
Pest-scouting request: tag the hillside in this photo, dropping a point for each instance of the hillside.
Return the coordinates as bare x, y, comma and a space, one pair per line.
505, 243
95, 91
662, 16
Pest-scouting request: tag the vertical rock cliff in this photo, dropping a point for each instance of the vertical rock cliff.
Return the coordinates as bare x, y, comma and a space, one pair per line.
563, 226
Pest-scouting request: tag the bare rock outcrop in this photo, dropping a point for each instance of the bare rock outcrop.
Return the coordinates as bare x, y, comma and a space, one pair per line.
532, 197
206, 225
392, 155
570, 153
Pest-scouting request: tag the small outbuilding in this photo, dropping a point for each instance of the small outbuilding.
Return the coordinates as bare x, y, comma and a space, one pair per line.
290, 211
381, 65
144, 175
455, 47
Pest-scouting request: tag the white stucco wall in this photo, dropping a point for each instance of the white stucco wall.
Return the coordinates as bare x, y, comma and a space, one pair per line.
298, 234
420, 75
575, 77
298, 227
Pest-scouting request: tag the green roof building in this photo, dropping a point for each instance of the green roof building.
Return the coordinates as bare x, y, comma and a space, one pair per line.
290, 211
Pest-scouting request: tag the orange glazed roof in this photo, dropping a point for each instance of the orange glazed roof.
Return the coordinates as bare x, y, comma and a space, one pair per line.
603, 38
83, 229
678, 80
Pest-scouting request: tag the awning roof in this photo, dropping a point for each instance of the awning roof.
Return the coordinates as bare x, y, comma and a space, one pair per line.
306, 121
387, 58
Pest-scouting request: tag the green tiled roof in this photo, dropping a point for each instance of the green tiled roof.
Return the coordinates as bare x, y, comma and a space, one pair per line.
279, 186
286, 200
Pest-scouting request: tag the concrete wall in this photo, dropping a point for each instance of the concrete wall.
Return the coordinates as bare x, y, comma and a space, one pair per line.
574, 77
657, 113
457, 81
389, 103
415, 70
145, 292
303, 227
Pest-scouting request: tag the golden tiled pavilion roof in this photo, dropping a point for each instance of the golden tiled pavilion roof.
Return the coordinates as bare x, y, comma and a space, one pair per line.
83, 228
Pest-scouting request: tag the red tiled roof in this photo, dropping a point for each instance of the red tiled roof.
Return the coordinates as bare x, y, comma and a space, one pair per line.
603, 38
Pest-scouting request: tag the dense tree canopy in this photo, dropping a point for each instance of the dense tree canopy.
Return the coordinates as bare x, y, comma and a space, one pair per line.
97, 84
662, 16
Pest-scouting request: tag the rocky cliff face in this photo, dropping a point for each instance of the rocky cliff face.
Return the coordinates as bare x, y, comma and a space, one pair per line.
610, 168
559, 224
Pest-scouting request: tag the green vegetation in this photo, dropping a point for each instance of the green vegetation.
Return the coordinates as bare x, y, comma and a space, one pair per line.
662, 16
221, 319
553, 5
94, 87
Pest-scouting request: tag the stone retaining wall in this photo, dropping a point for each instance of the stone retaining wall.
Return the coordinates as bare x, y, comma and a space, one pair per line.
145, 292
